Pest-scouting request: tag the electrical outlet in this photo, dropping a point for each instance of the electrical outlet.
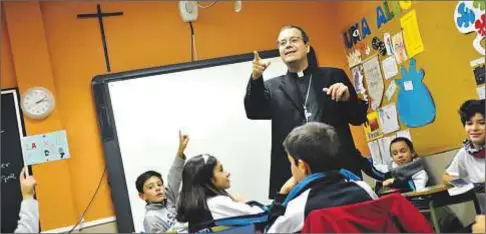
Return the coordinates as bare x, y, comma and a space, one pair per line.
188, 11
238, 6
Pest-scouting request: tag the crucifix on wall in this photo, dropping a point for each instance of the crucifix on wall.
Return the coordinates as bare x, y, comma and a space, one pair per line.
100, 14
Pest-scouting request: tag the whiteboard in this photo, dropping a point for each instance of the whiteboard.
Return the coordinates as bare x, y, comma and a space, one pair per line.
207, 104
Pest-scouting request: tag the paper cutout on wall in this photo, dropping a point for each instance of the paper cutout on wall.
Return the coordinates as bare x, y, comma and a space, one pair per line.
392, 87
477, 62
380, 17
411, 34
374, 81
388, 44
479, 74
479, 4
363, 48
356, 35
374, 147
468, 18
388, 10
478, 69
375, 152
377, 44
414, 104
372, 126
388, 119
481, 92
358, 75
47, 147
390, 68
354, 58
399, 48
365, 29
384, 144
405, 133
405, 4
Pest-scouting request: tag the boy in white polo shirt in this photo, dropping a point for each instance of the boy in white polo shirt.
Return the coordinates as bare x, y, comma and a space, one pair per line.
469, 162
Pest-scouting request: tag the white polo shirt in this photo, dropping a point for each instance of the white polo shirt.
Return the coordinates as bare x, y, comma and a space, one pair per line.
467, 167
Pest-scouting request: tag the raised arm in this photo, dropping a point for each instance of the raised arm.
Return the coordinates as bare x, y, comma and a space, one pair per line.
257, 97
174, 178
29, 208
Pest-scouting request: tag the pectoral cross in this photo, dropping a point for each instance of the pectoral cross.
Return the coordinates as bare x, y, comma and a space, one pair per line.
307, 114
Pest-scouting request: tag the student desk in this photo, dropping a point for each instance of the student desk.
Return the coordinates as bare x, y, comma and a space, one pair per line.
437, 196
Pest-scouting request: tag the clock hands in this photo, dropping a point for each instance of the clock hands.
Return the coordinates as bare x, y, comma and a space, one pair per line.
43, 99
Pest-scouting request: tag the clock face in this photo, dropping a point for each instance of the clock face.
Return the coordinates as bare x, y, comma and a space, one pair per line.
37, 103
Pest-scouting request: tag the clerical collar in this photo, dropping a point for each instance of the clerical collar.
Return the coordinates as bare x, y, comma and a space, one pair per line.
300, 74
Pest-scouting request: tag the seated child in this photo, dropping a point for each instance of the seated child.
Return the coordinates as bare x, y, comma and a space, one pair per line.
203, 197
469, 162
407, 170
29, 208
312, 148
160, 214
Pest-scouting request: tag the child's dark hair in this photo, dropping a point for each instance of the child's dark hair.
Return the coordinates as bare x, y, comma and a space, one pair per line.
469, 108
407, 141
316, 144
197, 187
144, 177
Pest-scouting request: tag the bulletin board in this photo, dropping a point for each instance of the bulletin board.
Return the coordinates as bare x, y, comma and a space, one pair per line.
446, 55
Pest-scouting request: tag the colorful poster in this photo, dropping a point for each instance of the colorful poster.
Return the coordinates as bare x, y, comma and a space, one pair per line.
45, 147
392, 87
374, 81
390, 68
399, 47
389, 118
388, 44
372, 126
358, 75
469, 17
354, 58
411, 34
384, 145
375, 152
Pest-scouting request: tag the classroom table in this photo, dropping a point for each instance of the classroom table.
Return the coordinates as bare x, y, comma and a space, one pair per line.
436, 196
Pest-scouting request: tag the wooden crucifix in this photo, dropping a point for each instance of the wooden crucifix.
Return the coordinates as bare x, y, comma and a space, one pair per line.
100, 14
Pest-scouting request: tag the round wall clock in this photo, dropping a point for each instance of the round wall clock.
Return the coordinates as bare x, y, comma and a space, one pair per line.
37, 103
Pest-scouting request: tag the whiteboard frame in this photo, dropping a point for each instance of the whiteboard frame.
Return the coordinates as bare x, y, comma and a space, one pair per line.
21, 127
107, 126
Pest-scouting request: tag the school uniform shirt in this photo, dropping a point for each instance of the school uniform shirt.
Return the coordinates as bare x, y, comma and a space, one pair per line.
417, 181
467, 167
471, 169
224, 207
29, 217
220, 207
331, 191
408, 177
282, 99
160, 217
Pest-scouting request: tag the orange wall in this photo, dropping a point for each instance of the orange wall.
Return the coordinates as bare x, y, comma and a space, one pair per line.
148, 34
7, 78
